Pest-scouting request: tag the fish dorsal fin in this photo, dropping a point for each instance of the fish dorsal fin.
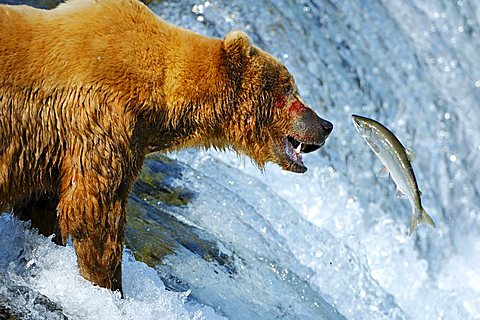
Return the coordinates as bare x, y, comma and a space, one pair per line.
410, 154
400, 194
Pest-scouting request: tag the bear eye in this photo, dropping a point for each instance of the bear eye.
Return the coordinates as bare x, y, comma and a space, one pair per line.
289, 90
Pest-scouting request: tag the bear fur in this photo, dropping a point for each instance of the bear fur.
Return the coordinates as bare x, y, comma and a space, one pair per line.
89, 88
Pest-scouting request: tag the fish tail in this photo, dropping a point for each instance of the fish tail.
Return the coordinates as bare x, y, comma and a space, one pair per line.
422, 218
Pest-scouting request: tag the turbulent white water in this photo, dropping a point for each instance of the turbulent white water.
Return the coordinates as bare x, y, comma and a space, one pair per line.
337, 233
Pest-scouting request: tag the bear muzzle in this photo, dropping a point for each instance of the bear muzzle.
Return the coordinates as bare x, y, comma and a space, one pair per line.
308, 134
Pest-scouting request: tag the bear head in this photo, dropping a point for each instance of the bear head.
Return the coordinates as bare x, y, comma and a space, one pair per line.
274, 124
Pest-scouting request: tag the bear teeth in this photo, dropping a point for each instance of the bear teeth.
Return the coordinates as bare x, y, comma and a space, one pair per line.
298, 148
294, 152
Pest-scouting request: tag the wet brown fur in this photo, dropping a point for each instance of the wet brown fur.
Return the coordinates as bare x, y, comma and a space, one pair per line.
89, 88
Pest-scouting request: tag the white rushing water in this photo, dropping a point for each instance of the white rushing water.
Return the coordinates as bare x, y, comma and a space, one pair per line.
339, 229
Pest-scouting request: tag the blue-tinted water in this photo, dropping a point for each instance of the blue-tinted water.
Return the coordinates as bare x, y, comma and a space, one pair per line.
337, 234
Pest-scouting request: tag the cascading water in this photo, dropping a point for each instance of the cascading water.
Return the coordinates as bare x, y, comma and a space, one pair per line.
332, 243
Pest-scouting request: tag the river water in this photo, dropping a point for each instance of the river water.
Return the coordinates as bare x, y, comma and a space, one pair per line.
332, 243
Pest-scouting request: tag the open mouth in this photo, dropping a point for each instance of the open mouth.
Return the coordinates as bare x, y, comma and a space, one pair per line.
307, 133
293, 149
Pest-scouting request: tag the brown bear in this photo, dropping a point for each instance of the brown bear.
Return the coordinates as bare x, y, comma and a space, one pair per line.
89, 88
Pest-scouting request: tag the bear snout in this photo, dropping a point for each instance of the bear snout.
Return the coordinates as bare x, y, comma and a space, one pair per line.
311, 130
308, 133
327, 126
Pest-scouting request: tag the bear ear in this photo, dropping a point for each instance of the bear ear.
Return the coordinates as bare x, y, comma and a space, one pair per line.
237, 46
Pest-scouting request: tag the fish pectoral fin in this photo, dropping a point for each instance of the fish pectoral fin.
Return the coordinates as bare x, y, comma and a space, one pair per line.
400, 194
383, 172
410, 154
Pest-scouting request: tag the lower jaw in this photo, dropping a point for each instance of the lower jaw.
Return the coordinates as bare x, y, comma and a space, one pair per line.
295, 167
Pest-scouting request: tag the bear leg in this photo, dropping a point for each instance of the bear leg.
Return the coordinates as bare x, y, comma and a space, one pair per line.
96, 226
99, 259
42, 212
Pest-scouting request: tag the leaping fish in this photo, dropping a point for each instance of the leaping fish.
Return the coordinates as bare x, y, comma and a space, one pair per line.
396, 159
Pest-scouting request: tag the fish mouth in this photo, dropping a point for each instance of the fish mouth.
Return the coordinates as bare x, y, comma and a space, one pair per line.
357, 122
294, 149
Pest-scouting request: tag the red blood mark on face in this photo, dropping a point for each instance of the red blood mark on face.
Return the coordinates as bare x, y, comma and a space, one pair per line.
296, 107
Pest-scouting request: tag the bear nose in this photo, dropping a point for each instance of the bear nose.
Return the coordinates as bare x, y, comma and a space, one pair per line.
327, 126
313, 128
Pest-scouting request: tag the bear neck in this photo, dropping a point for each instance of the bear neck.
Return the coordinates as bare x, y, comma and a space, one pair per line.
198, 96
